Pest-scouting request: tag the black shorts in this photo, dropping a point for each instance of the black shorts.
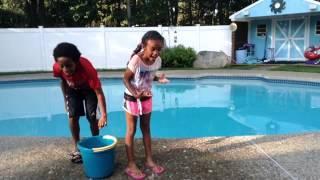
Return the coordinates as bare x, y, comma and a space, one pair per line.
77, 99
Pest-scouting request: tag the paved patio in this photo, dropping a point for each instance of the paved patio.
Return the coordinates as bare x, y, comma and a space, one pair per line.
246, 157
254, 157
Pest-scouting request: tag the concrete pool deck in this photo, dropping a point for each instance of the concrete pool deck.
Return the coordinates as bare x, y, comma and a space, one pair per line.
243, 157
299, 76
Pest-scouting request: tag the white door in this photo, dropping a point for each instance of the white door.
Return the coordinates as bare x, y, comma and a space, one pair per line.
290, 39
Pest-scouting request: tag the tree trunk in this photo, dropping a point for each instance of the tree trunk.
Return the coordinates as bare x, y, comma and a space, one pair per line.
129, 12
31, 11
214, 8
118, 10
220, 12
41, 12
133, 5
169, 13
176, 12
172, 12
190, 12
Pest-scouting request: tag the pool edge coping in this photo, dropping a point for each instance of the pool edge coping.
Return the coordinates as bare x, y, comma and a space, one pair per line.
266, 76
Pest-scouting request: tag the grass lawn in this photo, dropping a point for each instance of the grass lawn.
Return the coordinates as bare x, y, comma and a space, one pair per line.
298, 68
278, 67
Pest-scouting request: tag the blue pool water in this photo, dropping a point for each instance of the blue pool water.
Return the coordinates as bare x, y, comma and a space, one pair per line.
182, 109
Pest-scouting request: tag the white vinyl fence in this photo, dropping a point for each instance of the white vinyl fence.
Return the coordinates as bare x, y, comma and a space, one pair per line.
107, 48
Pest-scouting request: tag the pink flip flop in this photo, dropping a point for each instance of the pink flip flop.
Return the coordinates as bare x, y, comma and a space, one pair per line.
135, 175
158, 170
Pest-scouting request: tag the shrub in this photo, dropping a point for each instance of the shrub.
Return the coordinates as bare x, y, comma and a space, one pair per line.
178, 56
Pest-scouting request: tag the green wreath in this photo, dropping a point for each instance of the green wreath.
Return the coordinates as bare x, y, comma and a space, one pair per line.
277, 6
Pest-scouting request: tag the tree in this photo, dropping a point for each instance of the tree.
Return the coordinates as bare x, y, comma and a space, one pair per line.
150, 16
91, 13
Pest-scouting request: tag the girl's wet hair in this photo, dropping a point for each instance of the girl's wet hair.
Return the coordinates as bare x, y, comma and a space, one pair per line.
150, 35
66, 49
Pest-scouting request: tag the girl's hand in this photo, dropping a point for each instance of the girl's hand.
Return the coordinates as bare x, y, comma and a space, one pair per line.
138, 94
144, 93
162, 79
102, 122
147, 94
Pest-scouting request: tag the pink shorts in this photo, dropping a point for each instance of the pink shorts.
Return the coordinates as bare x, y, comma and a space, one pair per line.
138, 107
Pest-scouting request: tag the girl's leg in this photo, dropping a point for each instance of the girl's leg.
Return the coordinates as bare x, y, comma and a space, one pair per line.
145, 128
129, 139
75, 130
94, 127
91, 103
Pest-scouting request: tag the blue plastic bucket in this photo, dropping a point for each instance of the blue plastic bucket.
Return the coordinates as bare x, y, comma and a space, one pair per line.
98, 154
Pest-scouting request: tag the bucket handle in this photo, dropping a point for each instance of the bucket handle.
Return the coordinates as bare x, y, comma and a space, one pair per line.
100, 149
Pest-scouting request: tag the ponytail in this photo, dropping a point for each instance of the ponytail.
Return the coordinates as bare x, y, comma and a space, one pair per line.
137, 50
154, 35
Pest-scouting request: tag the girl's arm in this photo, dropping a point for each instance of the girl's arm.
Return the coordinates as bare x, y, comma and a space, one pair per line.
102, 107
127, 77
63, 86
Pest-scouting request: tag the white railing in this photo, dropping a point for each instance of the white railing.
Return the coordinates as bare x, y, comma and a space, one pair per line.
108, 48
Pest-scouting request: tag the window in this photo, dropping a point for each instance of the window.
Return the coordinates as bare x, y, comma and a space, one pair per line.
261, 30
318, 28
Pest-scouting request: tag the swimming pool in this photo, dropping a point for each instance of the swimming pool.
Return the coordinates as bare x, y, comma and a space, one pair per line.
184, 108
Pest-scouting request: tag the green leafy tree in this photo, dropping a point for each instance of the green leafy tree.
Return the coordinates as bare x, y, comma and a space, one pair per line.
11, 13
91, 13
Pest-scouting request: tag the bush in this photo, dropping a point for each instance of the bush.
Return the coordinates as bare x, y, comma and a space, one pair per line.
178, 56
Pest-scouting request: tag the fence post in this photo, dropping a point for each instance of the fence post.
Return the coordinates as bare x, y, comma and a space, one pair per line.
43, 50
169, 36
198, 31
160, 28
104, 44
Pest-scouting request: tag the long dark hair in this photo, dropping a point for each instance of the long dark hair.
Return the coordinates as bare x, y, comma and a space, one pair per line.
150, 35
